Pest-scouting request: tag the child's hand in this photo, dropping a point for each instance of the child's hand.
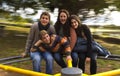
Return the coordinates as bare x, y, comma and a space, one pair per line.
33, 49
42, 49
23, 55
68, 58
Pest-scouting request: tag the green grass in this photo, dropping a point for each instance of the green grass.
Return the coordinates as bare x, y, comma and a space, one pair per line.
11, 42
14, 23
14, 39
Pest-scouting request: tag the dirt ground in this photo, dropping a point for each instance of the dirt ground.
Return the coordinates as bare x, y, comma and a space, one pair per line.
57, 69
5, 73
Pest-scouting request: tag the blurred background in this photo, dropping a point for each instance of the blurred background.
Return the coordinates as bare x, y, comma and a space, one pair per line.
16, 17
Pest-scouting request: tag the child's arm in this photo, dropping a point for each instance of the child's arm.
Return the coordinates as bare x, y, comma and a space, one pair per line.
36, 46
68, 53
55, 49
67, 48
53, 37
55, 40
41, 49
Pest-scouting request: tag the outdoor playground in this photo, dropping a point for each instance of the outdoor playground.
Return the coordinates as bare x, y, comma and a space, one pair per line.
13, 38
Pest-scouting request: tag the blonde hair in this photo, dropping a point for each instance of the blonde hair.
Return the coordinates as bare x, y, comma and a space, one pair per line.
42, 33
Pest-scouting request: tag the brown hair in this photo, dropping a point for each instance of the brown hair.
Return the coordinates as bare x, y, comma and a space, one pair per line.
42, 33
76, 18
45, 13
65, 11
58, 24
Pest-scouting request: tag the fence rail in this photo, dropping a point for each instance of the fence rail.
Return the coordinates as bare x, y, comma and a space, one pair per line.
15, 59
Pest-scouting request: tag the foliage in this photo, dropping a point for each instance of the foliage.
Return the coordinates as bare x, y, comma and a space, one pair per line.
19, 19
114, 3
74, 6
15, 19
17, 4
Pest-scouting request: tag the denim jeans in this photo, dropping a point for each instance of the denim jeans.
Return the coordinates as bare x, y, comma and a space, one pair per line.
74, 56
59, 59
81, 57
36, 59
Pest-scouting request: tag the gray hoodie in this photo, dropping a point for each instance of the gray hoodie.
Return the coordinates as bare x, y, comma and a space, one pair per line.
33, 36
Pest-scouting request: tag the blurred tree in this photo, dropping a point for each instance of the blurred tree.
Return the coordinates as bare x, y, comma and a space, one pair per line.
115, 3
81, 7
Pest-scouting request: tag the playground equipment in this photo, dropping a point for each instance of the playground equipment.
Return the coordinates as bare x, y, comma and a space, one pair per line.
14, 59
4, 61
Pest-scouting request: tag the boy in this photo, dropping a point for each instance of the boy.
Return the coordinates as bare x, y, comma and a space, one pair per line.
33, 37
55, 44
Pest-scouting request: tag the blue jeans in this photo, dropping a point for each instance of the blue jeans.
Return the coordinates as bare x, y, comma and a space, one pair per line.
74, 56
79, 60
36, 59
59, 59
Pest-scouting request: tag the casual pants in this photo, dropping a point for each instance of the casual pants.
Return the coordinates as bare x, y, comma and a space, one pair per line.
79, 60
59, 59
36, 60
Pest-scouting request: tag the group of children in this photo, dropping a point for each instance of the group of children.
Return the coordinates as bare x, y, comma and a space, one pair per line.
62, 39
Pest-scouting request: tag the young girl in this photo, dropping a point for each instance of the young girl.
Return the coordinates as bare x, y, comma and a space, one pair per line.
79, 51
62, 23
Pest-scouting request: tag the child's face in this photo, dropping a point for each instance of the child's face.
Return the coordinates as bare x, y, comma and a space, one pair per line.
44, 20
74, 23
46, 39
63, 17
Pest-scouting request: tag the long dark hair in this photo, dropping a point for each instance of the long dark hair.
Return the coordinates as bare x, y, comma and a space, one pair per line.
82, 30
58, 24
80, 26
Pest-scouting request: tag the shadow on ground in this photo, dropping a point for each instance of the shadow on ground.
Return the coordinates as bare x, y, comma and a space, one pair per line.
108, 39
